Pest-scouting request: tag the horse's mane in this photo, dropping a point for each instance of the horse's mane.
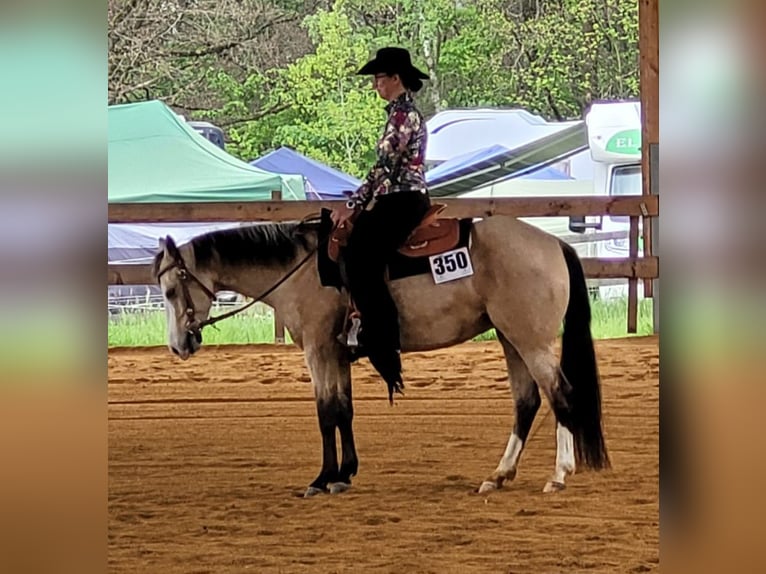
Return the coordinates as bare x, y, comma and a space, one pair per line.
262, 244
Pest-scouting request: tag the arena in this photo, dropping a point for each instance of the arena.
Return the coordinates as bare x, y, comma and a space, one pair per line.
208, 460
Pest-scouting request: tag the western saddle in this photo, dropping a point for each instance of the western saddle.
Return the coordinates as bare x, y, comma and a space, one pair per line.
433, 235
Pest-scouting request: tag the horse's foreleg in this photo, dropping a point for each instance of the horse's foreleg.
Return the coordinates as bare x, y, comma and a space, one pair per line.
328, 421
336, 412
332, 384
527, 401
350, 462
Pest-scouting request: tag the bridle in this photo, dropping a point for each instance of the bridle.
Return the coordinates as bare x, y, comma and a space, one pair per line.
185, 276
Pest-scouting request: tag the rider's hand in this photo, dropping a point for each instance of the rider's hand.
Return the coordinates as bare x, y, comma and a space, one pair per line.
342, 214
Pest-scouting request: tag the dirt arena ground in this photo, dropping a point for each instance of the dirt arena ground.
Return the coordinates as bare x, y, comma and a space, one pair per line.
206, 459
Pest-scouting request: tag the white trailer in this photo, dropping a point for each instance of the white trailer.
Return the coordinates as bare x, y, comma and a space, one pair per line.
614, 141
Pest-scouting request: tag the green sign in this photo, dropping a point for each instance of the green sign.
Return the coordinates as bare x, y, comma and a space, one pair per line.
626, 142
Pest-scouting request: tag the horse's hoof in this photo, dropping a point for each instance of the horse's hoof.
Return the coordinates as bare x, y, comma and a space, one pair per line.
338, 487
487, 486
554, 486
312, 491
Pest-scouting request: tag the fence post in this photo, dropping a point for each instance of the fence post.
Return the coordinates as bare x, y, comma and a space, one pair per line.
632, 281
649, 76
654, 185
279, 326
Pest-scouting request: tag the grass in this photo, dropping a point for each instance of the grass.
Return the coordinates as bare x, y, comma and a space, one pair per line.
140, 329
146, 329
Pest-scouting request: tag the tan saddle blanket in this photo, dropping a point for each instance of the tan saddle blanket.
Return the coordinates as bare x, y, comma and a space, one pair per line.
433, 235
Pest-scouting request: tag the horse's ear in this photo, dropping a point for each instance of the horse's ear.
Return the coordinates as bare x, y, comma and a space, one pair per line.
162, 244
169, 245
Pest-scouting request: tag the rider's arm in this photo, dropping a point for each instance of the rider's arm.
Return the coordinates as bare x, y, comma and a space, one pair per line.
398, 131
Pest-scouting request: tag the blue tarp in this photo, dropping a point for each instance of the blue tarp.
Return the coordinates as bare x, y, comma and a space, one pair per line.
478, 159
321, 181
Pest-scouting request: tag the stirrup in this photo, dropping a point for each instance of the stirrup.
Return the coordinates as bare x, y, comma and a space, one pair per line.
352, 339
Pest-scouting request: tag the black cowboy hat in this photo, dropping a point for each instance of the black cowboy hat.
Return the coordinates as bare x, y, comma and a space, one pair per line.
391, 61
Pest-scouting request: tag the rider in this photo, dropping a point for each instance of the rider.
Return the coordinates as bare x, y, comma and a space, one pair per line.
388, 206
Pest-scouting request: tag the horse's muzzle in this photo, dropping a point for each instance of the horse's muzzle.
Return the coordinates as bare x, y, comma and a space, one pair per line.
193, 341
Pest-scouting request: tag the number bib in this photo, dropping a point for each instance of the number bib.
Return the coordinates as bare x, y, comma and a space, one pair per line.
451, 265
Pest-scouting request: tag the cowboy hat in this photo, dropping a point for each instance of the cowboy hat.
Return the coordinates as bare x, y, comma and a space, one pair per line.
391, 61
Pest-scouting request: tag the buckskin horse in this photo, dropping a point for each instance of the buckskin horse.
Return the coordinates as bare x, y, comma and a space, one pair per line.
509, 276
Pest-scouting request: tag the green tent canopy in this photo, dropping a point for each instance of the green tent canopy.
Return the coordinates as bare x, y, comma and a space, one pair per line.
155, 156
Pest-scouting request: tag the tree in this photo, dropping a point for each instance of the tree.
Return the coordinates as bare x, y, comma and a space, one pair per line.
458, 43
174, 49
575, 52
325, 111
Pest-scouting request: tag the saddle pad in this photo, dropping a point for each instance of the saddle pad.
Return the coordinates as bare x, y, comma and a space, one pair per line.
401, 266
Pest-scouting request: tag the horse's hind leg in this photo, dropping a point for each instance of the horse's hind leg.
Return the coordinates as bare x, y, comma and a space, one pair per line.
527, 401
544, 367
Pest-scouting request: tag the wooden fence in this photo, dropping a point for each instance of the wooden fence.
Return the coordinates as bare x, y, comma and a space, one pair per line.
633, 268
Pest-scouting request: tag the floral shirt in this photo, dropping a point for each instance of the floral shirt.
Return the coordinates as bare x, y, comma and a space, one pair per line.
401, 152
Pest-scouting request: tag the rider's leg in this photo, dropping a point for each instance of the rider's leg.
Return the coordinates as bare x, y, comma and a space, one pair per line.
377, 234
365, 267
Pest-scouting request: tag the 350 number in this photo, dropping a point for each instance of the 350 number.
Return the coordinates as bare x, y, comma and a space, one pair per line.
450, 263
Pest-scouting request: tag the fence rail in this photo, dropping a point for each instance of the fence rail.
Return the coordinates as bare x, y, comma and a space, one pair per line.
214, 212
633, 268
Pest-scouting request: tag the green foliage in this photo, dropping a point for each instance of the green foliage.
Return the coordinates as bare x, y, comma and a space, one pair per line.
609, 318
324, 110
339, 115
575, 52
473, 61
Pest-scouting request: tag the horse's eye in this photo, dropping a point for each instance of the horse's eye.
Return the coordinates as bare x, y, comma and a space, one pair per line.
170, 293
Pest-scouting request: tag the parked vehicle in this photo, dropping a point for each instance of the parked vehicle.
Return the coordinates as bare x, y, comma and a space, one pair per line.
614, 141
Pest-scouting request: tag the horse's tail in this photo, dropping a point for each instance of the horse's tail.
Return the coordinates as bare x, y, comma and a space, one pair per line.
578, 365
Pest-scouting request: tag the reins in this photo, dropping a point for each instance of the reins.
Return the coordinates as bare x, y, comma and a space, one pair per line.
214, 320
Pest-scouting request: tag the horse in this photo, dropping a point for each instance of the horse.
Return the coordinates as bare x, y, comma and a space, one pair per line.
525, 283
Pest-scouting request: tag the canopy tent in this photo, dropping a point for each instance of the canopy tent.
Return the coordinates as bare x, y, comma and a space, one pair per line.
322, 181
127, 244
155, 156
483, 166
136, 243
